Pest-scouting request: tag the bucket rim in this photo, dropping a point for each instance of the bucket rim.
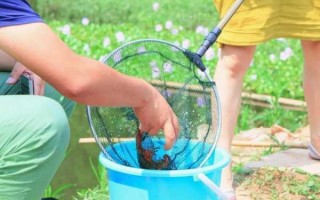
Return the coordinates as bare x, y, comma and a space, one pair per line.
110, 165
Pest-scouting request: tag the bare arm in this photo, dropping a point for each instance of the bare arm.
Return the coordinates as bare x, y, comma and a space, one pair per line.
85, 80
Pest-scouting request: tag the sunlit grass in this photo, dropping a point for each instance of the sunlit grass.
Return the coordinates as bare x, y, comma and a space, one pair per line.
276, 69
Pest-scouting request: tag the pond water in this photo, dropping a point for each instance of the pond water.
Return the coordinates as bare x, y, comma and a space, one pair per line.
76, 168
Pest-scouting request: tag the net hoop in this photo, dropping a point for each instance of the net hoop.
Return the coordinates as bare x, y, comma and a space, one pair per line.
215, 95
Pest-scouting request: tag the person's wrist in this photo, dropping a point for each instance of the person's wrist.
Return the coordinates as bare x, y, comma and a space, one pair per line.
147, 94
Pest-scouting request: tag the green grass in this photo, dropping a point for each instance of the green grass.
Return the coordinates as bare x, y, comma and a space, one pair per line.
99, 192
272, 183
189, 14
278, 78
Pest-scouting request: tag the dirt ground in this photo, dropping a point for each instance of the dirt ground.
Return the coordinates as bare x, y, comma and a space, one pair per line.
276, 171
271, 183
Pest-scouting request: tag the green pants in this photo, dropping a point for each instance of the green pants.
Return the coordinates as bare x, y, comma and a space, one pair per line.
34, 135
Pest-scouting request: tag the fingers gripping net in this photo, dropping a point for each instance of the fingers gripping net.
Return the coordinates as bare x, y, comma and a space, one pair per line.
188, 91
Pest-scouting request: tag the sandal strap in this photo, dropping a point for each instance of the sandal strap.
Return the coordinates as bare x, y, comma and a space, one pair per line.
313, 152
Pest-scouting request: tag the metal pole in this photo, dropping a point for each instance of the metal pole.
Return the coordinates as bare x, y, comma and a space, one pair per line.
214, 34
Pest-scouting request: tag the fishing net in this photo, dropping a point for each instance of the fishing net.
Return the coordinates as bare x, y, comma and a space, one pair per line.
188, 91
180, 76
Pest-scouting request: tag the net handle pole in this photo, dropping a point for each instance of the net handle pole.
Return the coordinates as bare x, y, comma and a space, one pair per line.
214, 34
212, 186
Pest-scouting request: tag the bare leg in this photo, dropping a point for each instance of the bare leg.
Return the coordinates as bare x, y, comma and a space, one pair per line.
231, 69
311, 76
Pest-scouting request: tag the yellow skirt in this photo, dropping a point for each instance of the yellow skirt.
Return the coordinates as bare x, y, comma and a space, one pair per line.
257, 21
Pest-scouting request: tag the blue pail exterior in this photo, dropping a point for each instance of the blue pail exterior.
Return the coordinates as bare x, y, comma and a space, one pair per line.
128, 183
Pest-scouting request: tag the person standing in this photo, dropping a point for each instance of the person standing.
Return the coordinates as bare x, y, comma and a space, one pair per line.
256, 22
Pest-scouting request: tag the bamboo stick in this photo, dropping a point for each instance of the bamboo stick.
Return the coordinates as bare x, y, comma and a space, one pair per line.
92, 140
268, 144
234, 143
266, 101
247, 98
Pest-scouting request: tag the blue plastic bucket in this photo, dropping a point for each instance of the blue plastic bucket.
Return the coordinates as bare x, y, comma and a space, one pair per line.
128, 183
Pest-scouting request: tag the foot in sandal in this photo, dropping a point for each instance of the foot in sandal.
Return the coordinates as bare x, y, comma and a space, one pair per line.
313, 153
230, 194
226, 184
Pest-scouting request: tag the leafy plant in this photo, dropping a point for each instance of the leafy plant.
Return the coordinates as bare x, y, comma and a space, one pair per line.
56, 193
99, 192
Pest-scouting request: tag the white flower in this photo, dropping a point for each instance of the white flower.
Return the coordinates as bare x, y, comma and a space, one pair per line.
281, 39
272, 57
199, 29
106, 42
186, 43
141, 50
167, 67
289, 51
86, 48
153, 64
202, 30
155, 6
180, 28
253, 77
166, 93
176, 43
205, 31
120, 36
201, 101
117, 56
174, 31
169, 25
209, 55
155, 69
158, 27
155, 72
283, 56
66, 29
85, 21
286, 54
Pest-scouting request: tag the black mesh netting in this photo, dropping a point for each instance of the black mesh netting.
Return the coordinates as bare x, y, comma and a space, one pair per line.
188, 91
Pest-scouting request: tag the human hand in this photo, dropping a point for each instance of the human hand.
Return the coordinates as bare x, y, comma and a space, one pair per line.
18, 70
156, 115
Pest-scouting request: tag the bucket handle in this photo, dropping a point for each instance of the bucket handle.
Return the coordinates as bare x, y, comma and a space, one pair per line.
204, 179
